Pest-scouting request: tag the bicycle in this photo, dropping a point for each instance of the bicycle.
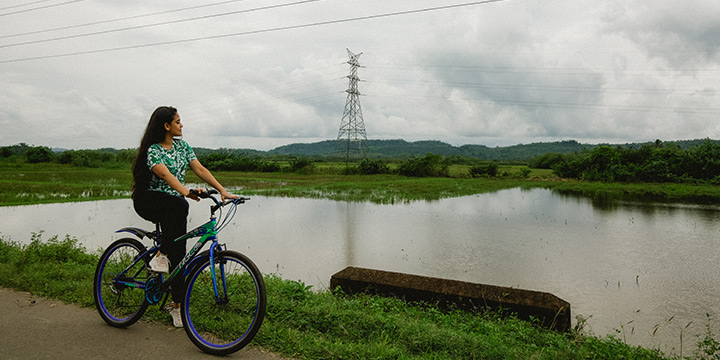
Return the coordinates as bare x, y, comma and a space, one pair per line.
224, 302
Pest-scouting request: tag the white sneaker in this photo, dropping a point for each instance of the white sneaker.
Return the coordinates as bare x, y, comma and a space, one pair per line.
160, 263
177, 318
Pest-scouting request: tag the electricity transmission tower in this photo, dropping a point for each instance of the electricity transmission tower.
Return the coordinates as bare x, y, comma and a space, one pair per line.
351, 137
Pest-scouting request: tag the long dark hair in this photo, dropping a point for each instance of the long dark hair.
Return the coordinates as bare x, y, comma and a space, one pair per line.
154, 133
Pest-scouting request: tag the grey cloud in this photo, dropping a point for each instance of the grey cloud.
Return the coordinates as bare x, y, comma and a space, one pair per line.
686, 34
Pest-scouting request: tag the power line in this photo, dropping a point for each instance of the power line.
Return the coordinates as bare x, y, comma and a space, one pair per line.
160, 23
566, 105
253, 32
543, 88
40, 7
21, 5
119, 19
544, 70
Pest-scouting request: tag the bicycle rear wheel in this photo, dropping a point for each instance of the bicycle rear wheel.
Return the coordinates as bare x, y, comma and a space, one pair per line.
119, 283
224, 324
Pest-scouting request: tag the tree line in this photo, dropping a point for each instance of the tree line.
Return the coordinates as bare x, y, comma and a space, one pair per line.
87, 158
229, 160
666, 162
656, 162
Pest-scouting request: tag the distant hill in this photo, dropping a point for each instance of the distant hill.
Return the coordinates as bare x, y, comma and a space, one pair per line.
401, 149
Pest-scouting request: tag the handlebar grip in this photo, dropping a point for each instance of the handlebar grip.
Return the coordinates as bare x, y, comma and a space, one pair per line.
205, 194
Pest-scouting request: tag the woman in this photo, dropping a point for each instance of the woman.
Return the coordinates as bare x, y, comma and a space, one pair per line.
159, 191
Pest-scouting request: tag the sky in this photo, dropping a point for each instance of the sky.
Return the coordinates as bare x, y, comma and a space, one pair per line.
87, 74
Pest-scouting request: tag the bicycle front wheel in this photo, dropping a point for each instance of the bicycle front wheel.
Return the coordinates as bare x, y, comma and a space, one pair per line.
222, 316
119, 283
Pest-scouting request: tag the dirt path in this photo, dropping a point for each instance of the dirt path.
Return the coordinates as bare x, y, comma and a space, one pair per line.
38, 328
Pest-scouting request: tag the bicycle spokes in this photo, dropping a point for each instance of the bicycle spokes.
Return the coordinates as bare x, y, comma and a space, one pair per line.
119, 283
224, 303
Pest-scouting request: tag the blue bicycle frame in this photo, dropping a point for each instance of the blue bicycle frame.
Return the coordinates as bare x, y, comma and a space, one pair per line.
207, 233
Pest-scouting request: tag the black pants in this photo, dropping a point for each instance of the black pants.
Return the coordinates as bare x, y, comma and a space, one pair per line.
171, 212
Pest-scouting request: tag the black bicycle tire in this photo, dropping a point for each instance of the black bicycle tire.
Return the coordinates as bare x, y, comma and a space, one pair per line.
258, 318
97, 285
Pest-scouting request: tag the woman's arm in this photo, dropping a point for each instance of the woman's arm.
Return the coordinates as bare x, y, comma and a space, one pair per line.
161, 171
205, 174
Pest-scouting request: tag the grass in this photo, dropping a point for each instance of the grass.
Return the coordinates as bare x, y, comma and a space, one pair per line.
22, 184
305, 324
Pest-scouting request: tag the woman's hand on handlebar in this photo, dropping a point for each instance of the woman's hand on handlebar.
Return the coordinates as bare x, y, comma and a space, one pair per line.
226, 196
195, 194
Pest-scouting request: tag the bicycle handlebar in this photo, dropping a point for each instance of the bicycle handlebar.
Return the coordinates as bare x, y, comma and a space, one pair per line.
204, 194
208, 194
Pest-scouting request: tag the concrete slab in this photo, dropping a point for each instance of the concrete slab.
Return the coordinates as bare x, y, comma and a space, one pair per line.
551, 311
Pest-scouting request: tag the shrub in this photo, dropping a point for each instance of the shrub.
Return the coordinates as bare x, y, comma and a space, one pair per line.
228, 162
369, 167
708, 347
301, 165
546, 161
426, 166
488, 169
39, 154
270, 166
55, 250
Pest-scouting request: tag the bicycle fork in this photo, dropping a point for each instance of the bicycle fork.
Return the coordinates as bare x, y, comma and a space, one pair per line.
220, 298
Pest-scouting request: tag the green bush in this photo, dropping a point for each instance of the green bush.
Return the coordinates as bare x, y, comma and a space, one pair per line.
228, 162
96, 158
430, 165
545, 161
489, 169
39, 154
657, 162
301, 165
54, 250
370, 167
708, 347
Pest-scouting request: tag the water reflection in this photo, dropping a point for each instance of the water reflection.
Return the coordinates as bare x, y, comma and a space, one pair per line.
631, 265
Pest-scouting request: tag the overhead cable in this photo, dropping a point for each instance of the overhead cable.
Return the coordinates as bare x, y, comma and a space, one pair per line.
158, 24
252, 32
40, 7
26, 4
566, 105
119, 19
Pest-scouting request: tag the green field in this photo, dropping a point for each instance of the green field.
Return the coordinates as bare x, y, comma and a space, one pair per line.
47, 183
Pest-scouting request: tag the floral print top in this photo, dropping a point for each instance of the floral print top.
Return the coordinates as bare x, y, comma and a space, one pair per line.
176, 159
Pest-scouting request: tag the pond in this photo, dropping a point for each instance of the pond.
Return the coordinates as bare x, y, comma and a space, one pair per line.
641, 271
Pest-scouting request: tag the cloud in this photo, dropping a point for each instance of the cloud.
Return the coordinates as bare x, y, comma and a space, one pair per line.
495, 74
683, 34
